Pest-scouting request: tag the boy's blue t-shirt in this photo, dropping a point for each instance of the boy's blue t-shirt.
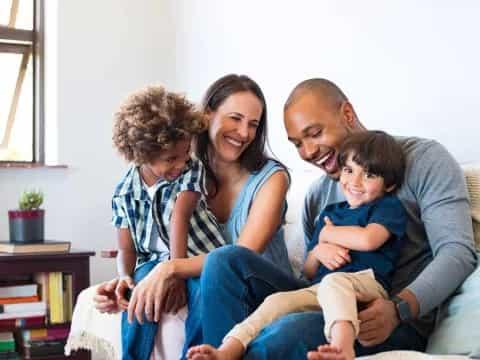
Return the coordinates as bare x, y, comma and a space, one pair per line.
386, 211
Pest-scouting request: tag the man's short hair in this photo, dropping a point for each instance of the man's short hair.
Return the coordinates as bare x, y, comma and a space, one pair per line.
322, 88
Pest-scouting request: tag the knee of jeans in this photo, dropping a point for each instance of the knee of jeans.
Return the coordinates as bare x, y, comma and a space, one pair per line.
222, 258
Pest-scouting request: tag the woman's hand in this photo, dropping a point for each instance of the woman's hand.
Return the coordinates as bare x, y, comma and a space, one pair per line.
330, 255
105, 299
160, 291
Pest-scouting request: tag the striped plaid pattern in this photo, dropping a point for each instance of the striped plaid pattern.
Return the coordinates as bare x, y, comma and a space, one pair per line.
204, 233
131, 208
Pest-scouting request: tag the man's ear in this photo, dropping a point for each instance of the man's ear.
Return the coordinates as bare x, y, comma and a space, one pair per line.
390, 188
348, 114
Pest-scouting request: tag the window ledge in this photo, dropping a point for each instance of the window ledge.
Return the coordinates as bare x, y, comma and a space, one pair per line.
20, 165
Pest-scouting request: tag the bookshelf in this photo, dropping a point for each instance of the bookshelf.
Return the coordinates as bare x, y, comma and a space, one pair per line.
75, 262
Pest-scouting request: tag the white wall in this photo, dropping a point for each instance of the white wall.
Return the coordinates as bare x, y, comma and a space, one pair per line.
105, 49
409, 67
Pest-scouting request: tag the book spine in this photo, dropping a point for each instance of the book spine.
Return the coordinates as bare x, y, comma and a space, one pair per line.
23, 307
7, 345
22, 314
7, 324
45, 334
18, 291
18, 300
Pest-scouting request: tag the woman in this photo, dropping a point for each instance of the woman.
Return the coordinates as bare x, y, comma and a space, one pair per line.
247, 195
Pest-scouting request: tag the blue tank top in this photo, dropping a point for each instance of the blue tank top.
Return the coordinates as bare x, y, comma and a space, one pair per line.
276, 250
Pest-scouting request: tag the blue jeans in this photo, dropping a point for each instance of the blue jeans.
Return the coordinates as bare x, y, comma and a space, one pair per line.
236, 280
138, 340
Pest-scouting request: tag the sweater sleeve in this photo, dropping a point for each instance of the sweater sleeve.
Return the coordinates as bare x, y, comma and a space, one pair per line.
439, 186
311, 208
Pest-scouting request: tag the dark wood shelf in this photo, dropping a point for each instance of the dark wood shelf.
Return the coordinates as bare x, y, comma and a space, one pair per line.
76, 355
31, 327
75, 262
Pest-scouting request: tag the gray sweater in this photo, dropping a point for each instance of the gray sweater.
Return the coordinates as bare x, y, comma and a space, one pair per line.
439, 250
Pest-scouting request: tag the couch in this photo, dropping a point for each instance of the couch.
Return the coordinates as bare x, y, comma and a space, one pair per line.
456, 335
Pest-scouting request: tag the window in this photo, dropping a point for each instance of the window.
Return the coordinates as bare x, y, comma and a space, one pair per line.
21, 125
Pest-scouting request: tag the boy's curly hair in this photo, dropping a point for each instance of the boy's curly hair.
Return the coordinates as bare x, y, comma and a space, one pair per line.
152, 120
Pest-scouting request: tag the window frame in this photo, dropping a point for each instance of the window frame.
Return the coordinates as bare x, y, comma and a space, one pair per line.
34, 41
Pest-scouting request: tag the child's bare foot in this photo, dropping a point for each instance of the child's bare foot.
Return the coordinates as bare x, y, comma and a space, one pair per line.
205, 352
331, 352
231, 349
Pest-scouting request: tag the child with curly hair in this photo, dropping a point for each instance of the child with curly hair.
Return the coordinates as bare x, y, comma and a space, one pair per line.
159, 207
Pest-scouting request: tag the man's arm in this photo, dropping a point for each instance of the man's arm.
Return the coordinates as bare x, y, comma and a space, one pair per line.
442, 195
438, 185
312, 206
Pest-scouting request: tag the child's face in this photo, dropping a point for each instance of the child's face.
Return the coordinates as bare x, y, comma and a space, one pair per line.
359, 186
170, 164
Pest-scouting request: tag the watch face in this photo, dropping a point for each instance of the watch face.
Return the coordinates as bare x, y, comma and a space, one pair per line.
404, 310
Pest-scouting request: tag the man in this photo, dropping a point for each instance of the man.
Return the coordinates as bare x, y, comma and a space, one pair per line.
437, 256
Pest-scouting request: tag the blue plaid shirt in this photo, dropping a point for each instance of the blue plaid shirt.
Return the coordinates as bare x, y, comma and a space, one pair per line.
132, 209
204, 233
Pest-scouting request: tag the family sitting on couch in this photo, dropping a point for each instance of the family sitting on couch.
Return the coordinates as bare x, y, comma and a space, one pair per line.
202, 180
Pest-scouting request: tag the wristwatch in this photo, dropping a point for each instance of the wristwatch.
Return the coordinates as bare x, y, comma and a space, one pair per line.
402, 308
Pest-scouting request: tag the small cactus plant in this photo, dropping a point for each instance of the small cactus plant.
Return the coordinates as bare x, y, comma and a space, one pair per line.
30, 200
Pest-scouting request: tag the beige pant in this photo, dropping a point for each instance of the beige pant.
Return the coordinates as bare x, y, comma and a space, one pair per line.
337, 295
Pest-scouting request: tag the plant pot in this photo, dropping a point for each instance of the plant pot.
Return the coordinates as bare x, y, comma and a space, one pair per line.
26, 226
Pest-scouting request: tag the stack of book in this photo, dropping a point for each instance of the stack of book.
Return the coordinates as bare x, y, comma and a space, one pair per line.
43, 342
57, 292
20, 306
32, 248
35, 303
7, 346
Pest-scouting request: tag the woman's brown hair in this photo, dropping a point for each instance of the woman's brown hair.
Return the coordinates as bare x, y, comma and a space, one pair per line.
254, 156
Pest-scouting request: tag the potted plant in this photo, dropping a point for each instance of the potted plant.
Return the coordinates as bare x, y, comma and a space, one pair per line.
26, 224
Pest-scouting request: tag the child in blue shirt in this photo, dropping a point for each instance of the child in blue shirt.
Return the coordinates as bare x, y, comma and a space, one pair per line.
159, 207
370, 223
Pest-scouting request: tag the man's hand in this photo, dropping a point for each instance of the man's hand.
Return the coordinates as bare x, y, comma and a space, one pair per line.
377, 322
105, 299
330, 255
160, 291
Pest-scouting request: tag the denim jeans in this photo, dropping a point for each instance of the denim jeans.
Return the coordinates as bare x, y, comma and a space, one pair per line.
138, 339
194, 319
236, 280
